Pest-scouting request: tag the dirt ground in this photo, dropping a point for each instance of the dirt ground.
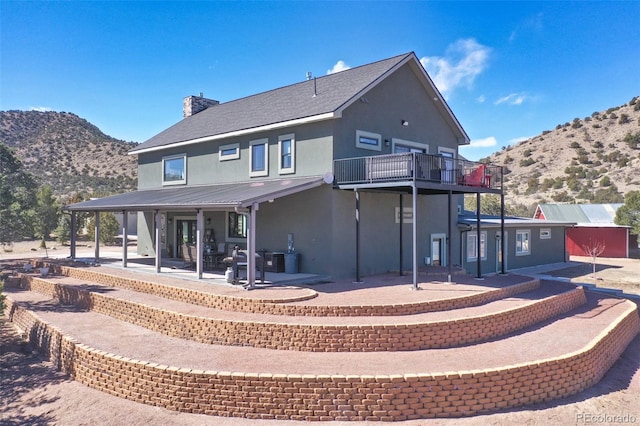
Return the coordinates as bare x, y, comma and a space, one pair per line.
33, 393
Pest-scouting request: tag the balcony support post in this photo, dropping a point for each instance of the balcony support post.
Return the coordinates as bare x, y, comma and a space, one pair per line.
448, 240
401, 214
357, 281
478, 237
414, 226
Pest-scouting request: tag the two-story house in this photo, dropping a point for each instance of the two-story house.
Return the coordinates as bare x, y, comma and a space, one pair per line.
356, 172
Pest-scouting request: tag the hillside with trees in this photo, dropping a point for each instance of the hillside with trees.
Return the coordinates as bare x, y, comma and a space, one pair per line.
68, 153
594, 159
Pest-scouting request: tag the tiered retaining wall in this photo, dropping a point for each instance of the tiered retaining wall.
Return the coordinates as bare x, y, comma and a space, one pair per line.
317, 338
337, 397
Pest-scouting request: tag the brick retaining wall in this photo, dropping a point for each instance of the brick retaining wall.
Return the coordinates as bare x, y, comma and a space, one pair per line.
316, 338
332, 397
281, 307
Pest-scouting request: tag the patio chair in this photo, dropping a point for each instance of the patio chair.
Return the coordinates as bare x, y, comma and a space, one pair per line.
188, 255
477, 177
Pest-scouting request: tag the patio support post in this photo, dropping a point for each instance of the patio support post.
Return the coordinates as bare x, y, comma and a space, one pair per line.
125, 237
414, 226
449, 233
478, 238
199, 234
502, 242
74, 232
251, 247
401, 220
357, 237
158, 226
97, 235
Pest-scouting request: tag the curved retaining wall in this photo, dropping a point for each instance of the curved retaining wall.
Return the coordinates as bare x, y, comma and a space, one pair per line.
280, 307
332, 397
316, 338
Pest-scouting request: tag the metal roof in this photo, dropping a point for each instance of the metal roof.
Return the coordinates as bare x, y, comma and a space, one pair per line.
209, 197
490, 221
316, 99
603, 214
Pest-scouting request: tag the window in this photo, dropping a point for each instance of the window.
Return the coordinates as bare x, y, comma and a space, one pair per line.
545, 233
522, 242
402, 146
448, 173
287, 152
174, 170
367, 140
229, 152
259, 157
472, 246
236, 226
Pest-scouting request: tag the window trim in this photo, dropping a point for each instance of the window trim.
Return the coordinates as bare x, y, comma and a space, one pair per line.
520, 232
166, 158
265, 172
545, 233
368, 135
408, 144
292, 169
483, 245
227, 157
234, 238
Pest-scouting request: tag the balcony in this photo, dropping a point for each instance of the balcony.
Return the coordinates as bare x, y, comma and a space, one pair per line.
425, 170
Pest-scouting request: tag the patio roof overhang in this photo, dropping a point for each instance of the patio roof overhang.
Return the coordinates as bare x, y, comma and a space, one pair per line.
206, 197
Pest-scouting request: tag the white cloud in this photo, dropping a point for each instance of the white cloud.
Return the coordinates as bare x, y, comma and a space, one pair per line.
40, 108
464, 60
512, 99
339, 66
483, 143
480, 99
520, 139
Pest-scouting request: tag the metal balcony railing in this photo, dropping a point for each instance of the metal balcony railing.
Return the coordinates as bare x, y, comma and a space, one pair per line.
416, 167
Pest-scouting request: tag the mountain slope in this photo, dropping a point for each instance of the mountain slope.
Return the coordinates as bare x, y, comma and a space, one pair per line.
595, 159
69, 153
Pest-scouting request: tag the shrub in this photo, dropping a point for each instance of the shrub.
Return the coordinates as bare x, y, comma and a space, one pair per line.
624, 118
632, 139
575, 145
527, 162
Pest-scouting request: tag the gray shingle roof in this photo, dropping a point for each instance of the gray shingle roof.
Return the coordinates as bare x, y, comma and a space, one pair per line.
285, 104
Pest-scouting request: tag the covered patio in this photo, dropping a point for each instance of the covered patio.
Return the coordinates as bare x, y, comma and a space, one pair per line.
242, 198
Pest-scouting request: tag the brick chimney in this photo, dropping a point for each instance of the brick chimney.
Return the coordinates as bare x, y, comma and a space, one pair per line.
192, 105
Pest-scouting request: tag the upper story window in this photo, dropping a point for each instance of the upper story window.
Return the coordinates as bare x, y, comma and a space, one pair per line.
174, 169
259, 157
368, 140
523, 240
229, 152
287, 154
402, 146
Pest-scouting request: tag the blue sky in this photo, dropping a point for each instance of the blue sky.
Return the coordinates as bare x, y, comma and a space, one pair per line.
509, 70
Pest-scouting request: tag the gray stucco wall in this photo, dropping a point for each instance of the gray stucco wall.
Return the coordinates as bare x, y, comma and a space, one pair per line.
542, 251
313, 157
399, 97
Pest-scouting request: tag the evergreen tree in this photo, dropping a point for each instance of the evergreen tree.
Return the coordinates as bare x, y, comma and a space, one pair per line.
629, 213
17, 196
